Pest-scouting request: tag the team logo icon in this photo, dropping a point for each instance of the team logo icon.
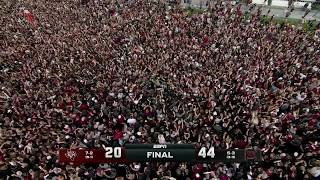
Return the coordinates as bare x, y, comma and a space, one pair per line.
71, 154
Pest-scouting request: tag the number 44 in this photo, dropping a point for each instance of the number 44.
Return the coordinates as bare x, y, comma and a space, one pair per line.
204, 153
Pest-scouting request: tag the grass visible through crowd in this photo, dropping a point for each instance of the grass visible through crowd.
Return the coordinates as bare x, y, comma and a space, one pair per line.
316, 7
306, 25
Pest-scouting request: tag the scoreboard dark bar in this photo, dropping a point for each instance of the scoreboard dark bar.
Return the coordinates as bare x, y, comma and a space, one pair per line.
156, 153
230, 155
159, 146
222, 156
144, 155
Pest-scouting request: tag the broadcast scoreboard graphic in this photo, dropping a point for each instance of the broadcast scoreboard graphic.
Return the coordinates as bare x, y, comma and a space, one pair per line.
156, 153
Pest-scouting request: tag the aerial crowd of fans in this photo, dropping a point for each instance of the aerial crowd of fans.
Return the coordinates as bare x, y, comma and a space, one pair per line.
82, 74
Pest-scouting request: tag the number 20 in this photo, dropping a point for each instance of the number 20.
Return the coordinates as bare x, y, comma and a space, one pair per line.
113, 152
203, 152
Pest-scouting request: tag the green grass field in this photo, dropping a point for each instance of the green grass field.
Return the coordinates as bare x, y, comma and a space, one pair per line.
191, 11
316, 7
307, 26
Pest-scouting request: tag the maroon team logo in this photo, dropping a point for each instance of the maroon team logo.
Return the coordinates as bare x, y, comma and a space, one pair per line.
250, 154
71, 155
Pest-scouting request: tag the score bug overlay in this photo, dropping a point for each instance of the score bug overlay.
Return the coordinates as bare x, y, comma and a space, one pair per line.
160, 152
112, 152
206, 152
159, 146
231, 154
89, 154
155, 153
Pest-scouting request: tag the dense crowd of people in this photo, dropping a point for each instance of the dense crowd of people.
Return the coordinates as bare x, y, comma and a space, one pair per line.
91, 73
